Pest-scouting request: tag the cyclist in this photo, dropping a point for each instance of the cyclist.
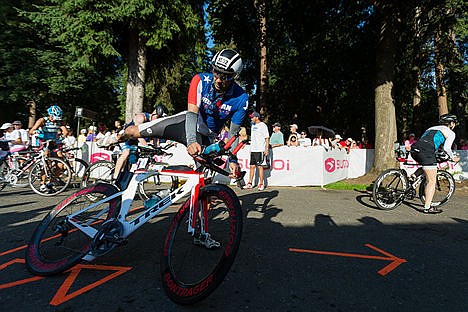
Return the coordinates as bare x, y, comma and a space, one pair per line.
131, 144
424, 152
50, 126
213, 99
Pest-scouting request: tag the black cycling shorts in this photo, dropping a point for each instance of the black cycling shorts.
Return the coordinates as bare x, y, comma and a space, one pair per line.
424, 155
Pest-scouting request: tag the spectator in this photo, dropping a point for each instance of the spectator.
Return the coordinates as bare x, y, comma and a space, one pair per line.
304, 140
410, 141
320, 141
117, 126
91, 136
24, 133
277, 137
224, 134
346, 145
259, 143
14, 137
101, 132
354, 145
335, 143
69, 139
293, 140
82, 137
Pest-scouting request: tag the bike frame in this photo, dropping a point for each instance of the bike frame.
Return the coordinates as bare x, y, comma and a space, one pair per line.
195, 180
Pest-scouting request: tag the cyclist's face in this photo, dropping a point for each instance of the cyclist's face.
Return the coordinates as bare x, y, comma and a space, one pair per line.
222, 81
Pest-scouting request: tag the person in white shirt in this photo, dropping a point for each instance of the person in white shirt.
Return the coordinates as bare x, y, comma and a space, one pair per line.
24, 133
259, 143
14, 138
304, 141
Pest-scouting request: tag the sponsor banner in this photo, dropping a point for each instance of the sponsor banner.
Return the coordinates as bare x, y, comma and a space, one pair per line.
293, 166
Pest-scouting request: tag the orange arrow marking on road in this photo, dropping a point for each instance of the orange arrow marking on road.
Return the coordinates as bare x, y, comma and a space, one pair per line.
61, 295
395, 261
18, 282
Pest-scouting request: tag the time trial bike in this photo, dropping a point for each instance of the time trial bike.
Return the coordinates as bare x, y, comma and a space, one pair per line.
199, 247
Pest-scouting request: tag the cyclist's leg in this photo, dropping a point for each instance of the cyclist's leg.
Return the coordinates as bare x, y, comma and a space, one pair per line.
170, 128
431, 176
121, 161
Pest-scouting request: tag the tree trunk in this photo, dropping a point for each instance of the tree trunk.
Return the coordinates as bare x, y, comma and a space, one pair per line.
32, 113
385, 120
261, 9
136, 77
439, 76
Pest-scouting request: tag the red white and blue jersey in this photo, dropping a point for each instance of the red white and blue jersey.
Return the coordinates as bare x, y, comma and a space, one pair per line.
215, 108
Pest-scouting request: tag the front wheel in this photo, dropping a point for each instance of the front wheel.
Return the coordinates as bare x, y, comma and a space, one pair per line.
193, 266
444, 189
56, 245
389, 189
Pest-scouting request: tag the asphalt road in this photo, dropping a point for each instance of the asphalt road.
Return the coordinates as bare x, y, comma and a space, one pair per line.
303, 249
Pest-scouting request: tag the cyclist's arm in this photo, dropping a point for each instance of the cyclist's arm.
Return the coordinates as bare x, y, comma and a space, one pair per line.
449, 138
36, 126
191, 119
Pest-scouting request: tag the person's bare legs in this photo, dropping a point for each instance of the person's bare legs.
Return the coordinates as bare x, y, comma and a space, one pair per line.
120, 163
260, 175
431, 176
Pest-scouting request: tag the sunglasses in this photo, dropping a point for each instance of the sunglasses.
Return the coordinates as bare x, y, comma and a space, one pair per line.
223, 76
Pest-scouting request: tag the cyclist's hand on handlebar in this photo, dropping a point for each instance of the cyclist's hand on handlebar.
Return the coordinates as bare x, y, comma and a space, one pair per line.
456, 158
194, 149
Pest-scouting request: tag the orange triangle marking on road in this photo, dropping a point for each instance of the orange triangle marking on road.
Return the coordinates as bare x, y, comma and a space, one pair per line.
18, 282
62, 294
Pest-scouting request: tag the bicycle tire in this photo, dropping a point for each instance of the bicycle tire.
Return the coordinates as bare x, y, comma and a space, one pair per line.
59, 176
99, 171
57, 245
445, 188
191, 272
79, 167
389, 189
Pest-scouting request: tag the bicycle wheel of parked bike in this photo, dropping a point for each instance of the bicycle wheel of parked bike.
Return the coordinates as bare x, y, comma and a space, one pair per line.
389, 189
100, 171
50, 177
78, 167
444, 190
56, 245
190, 271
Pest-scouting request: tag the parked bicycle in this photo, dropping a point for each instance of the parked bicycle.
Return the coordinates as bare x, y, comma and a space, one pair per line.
393, 186
198, 250
47, 176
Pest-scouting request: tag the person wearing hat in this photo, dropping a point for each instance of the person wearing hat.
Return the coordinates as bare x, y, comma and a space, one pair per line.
259, 144
14, 137
277, 137
336, 142
26, 140
293, 139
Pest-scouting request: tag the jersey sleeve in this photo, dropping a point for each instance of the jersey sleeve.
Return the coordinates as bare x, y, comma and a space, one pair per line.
241, 111
448, 143
195, 90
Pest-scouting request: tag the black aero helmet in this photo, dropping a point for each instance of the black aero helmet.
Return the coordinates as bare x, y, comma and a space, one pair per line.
161, 110
446, 119
227, 61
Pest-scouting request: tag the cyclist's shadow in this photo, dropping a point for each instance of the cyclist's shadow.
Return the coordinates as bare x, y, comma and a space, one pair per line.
257, 201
